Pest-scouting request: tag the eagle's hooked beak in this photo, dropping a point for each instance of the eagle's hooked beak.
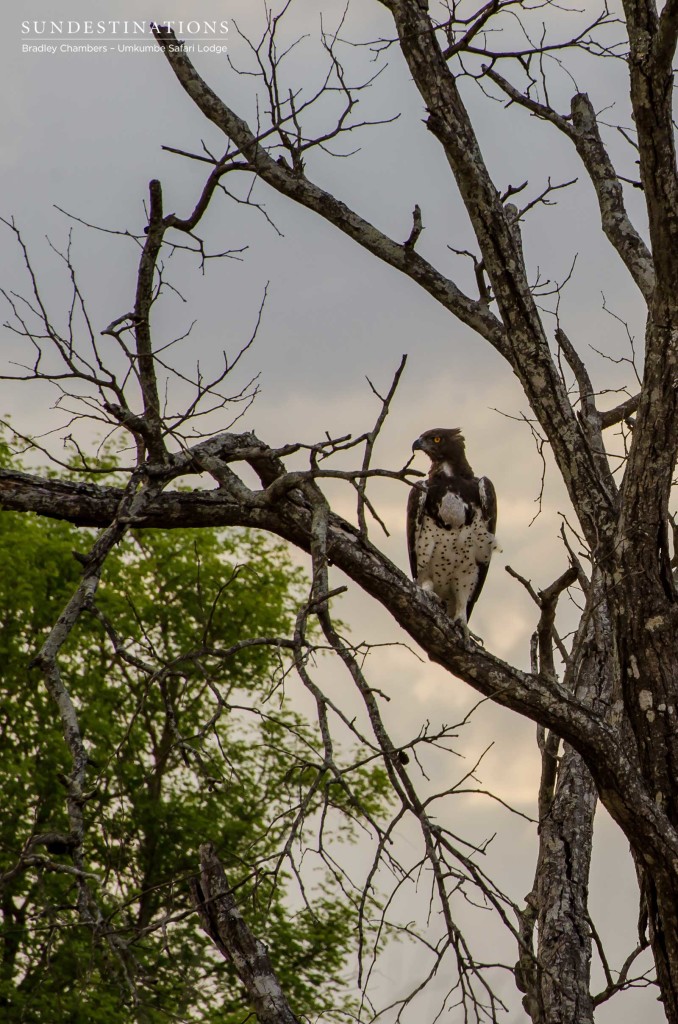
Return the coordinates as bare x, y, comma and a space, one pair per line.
418, 445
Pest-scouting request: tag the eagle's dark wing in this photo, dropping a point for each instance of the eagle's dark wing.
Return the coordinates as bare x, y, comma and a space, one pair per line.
488, 503
415, 511
488, 508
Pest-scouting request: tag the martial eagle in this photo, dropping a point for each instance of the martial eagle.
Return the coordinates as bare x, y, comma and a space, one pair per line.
451, 521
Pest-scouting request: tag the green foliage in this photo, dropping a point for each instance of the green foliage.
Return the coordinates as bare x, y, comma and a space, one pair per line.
187, 743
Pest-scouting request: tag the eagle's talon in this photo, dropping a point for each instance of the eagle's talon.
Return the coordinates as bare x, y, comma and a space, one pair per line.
467, 637
474, 636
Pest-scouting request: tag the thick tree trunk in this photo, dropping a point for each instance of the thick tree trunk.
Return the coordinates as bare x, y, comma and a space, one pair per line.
659, 893
557, 981
644, 595
649, 661
557, 986
564, 948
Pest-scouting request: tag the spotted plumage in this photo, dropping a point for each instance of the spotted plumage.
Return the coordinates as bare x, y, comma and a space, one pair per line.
451, 522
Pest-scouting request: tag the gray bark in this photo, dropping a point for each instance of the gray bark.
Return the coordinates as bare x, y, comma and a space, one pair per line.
225, 925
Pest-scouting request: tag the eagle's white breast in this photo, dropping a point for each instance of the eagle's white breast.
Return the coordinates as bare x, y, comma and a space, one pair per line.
448, 560
453, 509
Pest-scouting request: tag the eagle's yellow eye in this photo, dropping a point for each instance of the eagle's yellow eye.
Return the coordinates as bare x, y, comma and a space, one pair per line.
437, 440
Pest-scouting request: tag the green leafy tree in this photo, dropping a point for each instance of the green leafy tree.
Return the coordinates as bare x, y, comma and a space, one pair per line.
189, 740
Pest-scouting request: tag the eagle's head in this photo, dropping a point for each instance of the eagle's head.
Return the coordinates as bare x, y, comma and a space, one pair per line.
445, 447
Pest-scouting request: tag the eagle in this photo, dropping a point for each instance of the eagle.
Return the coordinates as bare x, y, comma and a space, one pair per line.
451, 523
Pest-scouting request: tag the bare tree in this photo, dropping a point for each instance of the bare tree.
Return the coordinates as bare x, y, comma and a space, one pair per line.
604, 704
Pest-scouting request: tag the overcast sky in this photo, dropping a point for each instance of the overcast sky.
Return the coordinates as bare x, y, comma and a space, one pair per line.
84, 131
